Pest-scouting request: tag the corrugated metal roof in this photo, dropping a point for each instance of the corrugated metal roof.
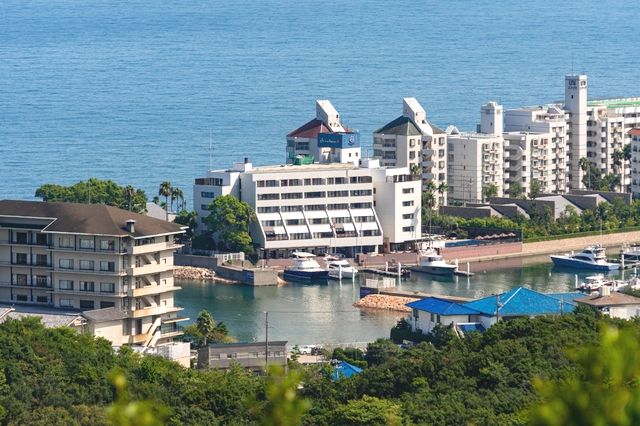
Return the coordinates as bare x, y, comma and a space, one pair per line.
521, 301
441, 307
344, 370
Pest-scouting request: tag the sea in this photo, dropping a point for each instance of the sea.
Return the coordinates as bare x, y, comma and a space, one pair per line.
135, 91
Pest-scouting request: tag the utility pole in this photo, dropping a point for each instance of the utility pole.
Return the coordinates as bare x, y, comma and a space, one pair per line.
266, 342
497, 308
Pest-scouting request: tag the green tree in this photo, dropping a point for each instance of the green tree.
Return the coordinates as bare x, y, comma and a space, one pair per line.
442, 190
165, 191
178, 195
368, 411
415, 170
515, 190
229, 222
535, 189
380, 351
190, 219
95, 191
489, 190
206, 325
283, 405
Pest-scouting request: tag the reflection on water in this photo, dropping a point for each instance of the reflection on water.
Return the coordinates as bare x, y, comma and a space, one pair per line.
306, 314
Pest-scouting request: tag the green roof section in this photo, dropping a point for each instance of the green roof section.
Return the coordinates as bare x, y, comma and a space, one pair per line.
615, 103
400, 126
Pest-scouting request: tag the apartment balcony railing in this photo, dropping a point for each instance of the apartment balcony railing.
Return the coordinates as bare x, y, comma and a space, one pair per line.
151, 248
151, 290
25, 243
89, 271
153, 310
25, 285
26, 264
150, 268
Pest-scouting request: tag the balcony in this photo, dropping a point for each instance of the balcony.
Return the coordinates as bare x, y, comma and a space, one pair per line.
152, 248
24, 243
153, 310
88, 271
151, 268
151, 289
27, 264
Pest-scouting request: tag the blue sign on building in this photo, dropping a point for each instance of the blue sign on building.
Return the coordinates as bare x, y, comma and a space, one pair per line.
338, 140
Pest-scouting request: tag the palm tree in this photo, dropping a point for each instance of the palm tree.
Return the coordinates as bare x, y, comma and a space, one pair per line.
585, 165
415, 170
129, 193
618, 162
489, 191
165, 190
179, 196
442, 189
205, 325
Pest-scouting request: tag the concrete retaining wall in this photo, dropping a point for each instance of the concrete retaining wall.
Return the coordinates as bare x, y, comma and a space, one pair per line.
469, 252
193, 260
254, 277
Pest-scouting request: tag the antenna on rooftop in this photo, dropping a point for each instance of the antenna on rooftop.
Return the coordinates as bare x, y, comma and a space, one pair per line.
210, 150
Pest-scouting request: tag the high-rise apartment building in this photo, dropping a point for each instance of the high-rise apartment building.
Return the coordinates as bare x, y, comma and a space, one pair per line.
634, 164
114, 266
412, 141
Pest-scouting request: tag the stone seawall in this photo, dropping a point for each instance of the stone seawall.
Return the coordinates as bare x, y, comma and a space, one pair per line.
193, 273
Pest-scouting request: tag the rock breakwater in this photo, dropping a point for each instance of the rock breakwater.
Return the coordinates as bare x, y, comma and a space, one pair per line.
385, 302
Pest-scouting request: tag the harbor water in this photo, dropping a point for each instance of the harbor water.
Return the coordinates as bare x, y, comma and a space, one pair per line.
323, 314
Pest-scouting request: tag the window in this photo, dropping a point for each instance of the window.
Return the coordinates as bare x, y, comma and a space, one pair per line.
268, 196
87, 265
41, 260
407, 229
66, 284
21, 238
21, 258
407, 216
86, 243
361, 193
407, 203
41, 239
42, 299
292, 196
107, 305
86, 304
65, 242
22, 298
65, 263
205, 194
318, 194
107, 287
66, 303
107, 245
87, 286
407, 190
107, 266
42, 281
21, 279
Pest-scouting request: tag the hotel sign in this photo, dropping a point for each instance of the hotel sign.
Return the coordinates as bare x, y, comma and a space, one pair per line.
338, 140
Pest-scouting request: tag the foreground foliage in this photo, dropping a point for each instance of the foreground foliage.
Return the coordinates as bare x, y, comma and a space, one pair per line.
551, 370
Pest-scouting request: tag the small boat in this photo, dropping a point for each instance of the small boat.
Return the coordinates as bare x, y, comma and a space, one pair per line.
305, 268
431, 262
340, 268
630, 255
592, 257
593, 283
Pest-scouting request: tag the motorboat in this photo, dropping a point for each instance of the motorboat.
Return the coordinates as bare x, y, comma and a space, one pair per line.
592, 257
593, 284
431, 262
630, 255
305, 268
340, 268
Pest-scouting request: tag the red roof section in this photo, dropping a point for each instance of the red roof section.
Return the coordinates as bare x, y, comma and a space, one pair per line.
634, 132
310, 129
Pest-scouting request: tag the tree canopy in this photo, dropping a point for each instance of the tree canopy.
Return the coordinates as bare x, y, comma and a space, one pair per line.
229, 222
96, 191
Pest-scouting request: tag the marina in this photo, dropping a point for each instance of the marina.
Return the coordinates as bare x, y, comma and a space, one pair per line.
324, 314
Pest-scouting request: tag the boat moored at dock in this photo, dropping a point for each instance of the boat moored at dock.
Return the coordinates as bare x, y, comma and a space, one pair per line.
592, 257
340, 268
305, 268
431, 262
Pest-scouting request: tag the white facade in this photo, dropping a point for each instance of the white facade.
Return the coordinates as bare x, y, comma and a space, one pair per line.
318, 207
634, 135
412, 141
529, 157
424, 322
475, 160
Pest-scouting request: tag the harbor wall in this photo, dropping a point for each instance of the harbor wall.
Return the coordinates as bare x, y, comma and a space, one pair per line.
467, 252
251, 276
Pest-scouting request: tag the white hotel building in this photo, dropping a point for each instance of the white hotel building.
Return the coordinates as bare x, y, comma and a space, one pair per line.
318, 207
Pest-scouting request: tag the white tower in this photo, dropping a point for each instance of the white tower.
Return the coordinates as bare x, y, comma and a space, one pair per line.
491, 119
575, 103
329, 115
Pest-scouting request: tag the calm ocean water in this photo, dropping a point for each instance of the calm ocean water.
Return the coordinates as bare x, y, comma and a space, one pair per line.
129, 90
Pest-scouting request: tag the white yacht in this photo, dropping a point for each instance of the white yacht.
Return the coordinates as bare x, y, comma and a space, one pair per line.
430, 262
305, 268
594, 282
592, 257
340, 268
630, 255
